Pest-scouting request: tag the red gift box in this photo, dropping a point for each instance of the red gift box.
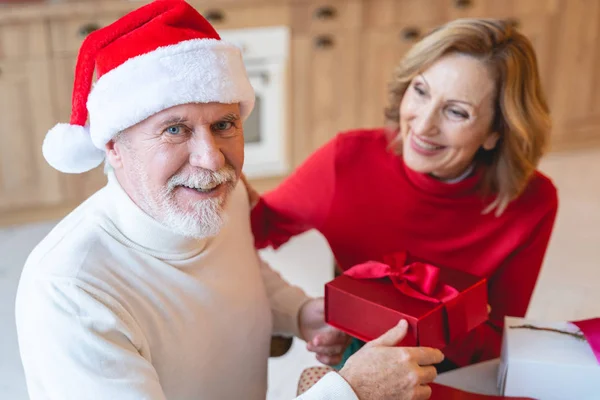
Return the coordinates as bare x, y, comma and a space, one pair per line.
439, 304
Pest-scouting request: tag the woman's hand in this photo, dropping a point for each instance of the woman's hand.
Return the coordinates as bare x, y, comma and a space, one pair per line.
327, 342
253, 195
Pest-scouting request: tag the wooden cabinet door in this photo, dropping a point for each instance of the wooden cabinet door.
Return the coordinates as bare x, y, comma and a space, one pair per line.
504, 9
541, 31
382, 51
325, 67
26, 180
325, 85
238, 15
575, 100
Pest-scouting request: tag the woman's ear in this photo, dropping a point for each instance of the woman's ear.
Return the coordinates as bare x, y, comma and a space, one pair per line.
491, 141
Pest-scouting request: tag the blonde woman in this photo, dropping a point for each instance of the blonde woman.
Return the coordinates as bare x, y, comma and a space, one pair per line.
452, 180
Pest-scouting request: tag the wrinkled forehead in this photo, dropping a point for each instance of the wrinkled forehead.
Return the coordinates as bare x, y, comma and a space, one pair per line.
193, 114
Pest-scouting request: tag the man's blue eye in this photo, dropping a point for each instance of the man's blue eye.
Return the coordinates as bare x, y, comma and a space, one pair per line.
174, 130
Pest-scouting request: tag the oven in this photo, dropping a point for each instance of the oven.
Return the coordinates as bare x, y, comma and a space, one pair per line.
266, 57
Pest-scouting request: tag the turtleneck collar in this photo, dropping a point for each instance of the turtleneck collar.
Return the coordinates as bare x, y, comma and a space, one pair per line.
464, 185
137, 229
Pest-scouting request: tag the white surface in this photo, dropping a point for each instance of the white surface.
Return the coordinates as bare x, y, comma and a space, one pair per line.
547, 365
478, 378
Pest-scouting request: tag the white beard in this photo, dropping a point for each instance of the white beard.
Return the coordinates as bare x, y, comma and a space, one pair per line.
207, 217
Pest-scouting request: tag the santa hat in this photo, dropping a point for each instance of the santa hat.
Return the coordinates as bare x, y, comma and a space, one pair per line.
161, 55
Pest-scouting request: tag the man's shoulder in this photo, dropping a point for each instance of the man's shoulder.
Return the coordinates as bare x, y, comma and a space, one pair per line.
238, 214
68, 245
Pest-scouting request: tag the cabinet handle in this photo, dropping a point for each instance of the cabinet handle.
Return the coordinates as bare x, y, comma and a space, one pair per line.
463, 3
411, 33
325, 12
214, 16
324, 42
88, 28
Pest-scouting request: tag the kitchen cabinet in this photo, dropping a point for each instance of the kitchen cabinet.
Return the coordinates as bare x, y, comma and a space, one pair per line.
575, 100
25, 180
383, 49
325, 71
25, 111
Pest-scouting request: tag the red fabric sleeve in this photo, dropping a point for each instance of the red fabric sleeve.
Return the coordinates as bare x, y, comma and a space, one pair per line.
510, 290
300, 203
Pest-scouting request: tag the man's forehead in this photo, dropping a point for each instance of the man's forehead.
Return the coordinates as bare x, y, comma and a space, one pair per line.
196, 113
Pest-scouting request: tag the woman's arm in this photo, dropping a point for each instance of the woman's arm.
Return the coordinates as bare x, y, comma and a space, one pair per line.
300, 203
511, 287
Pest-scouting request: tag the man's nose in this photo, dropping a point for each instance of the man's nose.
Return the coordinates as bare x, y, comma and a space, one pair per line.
205, 152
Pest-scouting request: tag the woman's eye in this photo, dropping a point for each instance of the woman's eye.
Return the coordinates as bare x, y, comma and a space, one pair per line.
223, 126
459, 114
419, 91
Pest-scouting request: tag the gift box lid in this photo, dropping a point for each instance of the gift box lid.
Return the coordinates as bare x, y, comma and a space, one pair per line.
388, 296
382, 296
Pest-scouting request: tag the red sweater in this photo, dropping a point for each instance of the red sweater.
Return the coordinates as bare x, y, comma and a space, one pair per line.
367, 204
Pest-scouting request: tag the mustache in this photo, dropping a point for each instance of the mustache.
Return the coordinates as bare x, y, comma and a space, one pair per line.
202, 178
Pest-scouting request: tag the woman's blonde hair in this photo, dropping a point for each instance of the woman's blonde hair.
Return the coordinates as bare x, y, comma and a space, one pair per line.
521, 115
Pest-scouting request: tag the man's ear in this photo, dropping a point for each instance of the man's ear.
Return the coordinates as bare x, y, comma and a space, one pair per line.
113, 154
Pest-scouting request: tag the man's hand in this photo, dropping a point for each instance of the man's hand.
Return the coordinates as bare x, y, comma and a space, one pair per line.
381, 371
253, 195
327, 342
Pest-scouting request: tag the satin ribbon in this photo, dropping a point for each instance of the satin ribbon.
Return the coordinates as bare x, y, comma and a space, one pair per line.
591, 330
417, 280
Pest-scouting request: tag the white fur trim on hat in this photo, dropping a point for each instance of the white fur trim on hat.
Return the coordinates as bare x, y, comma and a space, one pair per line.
193, 71
69, 148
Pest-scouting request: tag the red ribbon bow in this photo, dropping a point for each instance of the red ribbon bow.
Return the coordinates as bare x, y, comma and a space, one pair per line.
417, 280
591, 330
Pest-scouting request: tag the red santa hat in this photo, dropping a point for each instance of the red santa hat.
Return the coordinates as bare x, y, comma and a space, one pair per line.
161, 55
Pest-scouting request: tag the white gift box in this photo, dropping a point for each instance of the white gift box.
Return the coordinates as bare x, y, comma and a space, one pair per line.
547, 365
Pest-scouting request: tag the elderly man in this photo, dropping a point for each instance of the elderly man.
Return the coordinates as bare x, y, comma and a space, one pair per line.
152, 288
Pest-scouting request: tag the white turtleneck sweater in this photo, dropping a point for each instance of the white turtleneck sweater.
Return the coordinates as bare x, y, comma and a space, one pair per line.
113, 305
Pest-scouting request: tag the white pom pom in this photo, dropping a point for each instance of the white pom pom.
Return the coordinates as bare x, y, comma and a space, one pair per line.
69, 148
